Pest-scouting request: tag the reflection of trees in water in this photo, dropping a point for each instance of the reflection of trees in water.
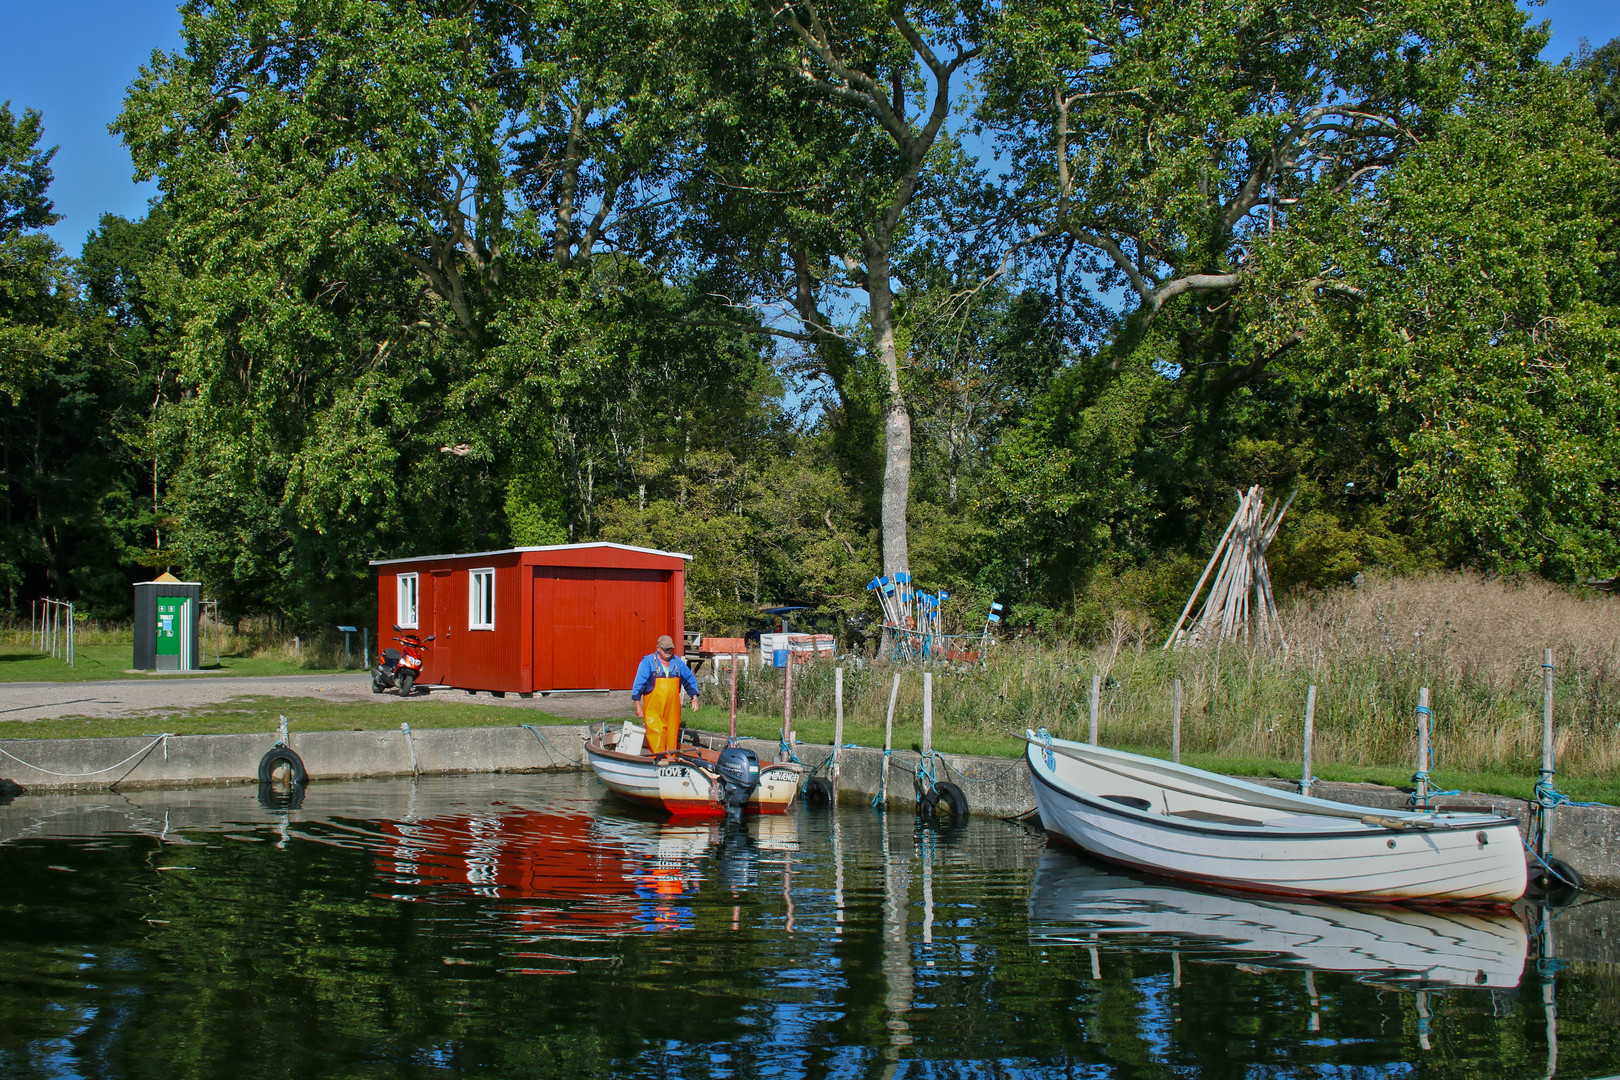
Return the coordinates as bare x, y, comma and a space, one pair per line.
857, 945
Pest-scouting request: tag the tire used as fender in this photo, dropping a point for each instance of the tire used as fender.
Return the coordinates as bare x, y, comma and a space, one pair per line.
1557, 883
952, 798
279, 756
818, 789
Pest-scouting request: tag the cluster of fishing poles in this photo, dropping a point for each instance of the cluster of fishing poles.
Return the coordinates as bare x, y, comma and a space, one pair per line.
914, 621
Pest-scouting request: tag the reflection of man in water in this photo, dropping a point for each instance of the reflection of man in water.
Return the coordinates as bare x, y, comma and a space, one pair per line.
662, 887
656, 694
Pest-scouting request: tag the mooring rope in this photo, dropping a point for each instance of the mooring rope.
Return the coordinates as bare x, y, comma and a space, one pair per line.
147, 749
549, 744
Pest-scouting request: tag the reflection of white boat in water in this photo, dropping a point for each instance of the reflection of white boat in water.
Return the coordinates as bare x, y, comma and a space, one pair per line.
1075, 903
1164, 818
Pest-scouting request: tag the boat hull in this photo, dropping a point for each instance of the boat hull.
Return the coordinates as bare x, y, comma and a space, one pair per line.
686, 785
1184, 823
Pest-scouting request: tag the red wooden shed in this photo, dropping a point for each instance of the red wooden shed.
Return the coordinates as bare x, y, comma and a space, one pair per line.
535, 619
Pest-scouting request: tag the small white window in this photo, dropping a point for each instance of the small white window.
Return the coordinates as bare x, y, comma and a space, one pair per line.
405, 607
481, 600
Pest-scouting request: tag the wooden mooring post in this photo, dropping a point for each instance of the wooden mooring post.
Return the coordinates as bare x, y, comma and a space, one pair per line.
1096, 705
1175, 726
928, 713
1544, 833
888, 746
1421, 795
838, 727
1306, 780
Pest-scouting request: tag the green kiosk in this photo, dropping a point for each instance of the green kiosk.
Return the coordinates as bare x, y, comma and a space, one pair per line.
167, 616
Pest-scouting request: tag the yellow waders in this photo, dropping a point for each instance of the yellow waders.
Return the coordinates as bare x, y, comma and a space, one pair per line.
661, 709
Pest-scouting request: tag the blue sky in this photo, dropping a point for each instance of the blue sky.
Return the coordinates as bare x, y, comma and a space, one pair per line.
73, 59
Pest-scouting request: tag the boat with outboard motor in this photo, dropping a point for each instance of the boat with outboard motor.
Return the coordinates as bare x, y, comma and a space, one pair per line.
692, 781
1177, 821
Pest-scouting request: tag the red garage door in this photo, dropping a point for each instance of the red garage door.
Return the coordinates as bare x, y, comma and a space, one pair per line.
602, 622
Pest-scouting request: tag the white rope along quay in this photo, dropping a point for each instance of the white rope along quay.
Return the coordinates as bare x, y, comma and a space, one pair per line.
147, 749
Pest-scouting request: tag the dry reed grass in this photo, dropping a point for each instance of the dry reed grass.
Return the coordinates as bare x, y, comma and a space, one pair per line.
1476, 643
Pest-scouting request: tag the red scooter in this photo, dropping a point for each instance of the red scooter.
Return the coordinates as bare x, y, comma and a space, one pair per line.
394, 669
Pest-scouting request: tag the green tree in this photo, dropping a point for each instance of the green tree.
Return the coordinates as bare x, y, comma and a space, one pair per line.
33, 286
1189, 160
817, 152
371, 204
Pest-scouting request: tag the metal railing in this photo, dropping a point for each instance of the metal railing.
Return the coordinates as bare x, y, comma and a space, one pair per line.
51, 628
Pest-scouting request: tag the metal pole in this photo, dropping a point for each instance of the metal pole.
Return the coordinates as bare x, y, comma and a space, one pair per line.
1096, 705
72, 631
1544, 841
365, 647
1175, 727
1422, 795
1307, 781
928, 712
838, 725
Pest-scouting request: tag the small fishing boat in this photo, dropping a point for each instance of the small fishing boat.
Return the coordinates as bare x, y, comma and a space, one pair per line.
694, 781
1076, 903
1193, 825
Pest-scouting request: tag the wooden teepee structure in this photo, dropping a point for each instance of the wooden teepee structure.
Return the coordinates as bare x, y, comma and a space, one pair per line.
1227, 613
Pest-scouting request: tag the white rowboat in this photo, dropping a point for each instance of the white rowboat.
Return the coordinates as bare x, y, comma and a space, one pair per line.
687, 783
1193, 825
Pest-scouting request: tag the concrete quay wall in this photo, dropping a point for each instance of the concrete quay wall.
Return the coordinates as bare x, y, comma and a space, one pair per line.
1587, 838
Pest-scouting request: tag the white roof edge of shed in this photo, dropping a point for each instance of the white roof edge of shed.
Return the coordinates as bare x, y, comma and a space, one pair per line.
546, 547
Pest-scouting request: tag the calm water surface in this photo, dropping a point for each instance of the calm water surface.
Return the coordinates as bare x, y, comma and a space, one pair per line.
529, 927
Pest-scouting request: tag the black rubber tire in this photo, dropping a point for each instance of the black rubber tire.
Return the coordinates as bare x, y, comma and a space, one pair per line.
818, 789
272, 797
282, 755
376, 687
407, 683
952, 798
1558, 883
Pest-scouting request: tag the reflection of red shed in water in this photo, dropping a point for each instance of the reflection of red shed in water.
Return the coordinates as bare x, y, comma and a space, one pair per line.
568, 876
573, 617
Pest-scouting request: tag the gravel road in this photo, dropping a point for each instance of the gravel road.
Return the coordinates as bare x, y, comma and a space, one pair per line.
155, 695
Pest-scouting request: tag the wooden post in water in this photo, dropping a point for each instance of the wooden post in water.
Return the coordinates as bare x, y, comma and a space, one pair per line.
1096, 705
1175, 727
838, 726
888, 744
1421, 796
733, 729
787, 710
1306, 780
1544, 843
928, 712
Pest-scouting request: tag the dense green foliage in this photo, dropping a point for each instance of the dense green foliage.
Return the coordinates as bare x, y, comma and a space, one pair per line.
1015, 295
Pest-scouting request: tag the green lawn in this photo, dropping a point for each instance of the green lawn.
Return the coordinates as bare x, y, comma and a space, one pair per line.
19, 663
248, 715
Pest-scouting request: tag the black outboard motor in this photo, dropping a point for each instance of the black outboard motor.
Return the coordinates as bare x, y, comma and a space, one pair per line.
739, 776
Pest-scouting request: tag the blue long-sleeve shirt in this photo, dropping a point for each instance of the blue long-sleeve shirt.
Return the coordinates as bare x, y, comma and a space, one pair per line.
652, 668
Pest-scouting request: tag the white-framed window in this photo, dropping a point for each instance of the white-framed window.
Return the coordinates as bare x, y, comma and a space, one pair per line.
405, 602
481, 599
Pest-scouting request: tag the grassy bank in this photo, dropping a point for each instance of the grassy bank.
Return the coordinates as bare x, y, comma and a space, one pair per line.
1477, 644
106, 651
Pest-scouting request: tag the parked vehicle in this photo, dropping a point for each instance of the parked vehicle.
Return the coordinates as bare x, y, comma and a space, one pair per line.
401, 669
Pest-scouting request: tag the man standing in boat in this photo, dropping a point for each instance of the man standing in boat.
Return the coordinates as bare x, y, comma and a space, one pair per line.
656, 694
